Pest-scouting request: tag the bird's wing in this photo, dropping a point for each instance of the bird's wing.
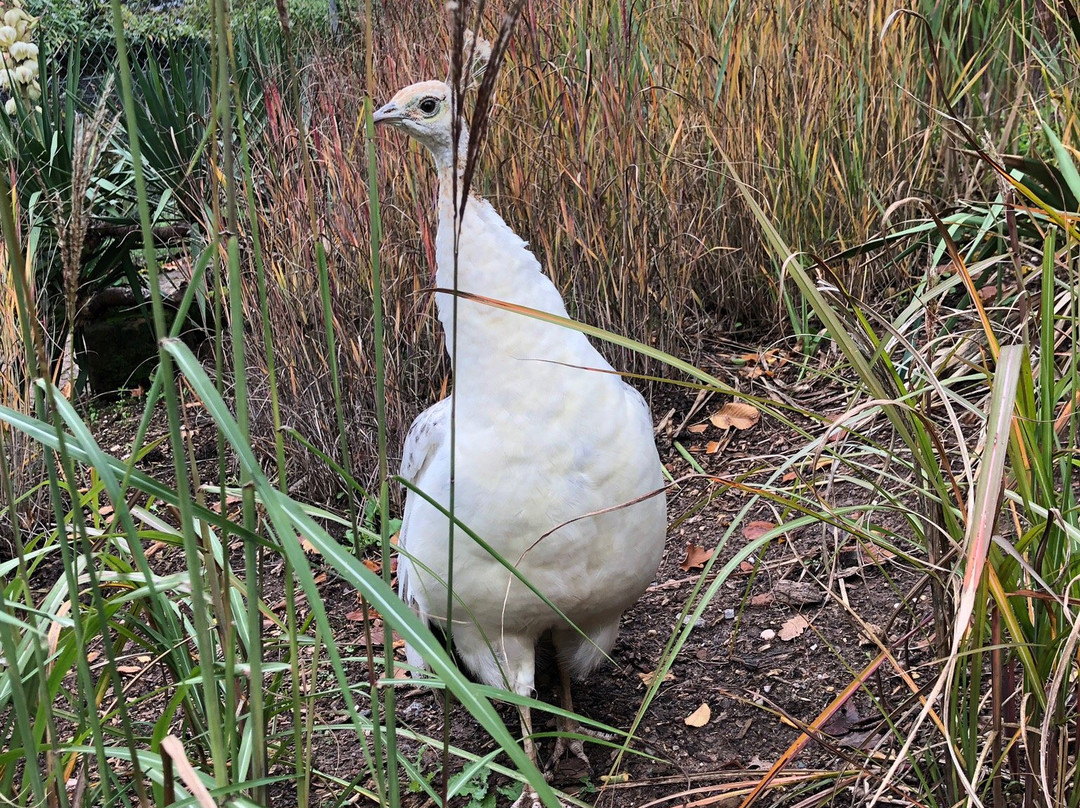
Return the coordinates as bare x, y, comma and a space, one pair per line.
428, 433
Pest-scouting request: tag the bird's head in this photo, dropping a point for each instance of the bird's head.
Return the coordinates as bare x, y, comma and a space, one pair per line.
423, 110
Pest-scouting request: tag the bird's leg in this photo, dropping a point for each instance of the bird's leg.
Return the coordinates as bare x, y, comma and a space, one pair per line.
567, 725
526, 734
528, 798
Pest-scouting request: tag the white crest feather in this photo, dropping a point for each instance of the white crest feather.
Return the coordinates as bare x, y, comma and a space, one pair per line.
475, 55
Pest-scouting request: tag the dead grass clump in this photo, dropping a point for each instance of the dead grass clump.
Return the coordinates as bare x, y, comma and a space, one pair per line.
294, 303
607, 151
21, 466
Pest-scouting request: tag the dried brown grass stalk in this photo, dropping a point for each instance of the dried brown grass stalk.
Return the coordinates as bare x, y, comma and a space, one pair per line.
599, 152
70, 210
22, 457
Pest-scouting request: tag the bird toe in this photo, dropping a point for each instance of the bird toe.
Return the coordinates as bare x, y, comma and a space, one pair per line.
528, 799
575, 747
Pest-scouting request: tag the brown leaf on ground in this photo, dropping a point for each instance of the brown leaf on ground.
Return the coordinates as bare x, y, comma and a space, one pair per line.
762, 364
648, 678
987, 293
793, 628
755, 530
376, 637
712, 447
842, 720
735, 415
700, 717
822, 463
764, 599
229, 501
695, 557
697, 429
876, 554
874, 629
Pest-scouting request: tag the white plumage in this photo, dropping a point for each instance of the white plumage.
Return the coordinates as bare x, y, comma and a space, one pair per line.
545, 434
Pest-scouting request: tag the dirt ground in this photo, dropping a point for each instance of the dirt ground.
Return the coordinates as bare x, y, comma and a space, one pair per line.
778, 642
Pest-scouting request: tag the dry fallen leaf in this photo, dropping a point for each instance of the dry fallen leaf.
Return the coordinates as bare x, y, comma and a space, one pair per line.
712, 447
697, 429
648, 678
700, 717
376, 637
842, 720
229, 500
793, 628
876, 554
695, 557
755, 530
736, 415
878, 635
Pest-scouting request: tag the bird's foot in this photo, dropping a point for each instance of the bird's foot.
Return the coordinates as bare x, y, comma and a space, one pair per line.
565, 743
530, 799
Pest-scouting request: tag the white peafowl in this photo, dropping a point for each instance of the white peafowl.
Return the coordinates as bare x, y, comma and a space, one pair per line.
554, 457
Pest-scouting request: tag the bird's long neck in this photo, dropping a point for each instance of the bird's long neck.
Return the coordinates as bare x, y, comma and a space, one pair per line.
450, 164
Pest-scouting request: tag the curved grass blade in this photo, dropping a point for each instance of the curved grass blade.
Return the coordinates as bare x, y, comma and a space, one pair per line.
289, 520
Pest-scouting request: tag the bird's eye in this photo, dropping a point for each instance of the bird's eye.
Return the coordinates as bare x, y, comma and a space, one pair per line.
429, 105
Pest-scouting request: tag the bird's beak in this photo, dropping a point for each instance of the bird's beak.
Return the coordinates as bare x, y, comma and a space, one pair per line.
388, 113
